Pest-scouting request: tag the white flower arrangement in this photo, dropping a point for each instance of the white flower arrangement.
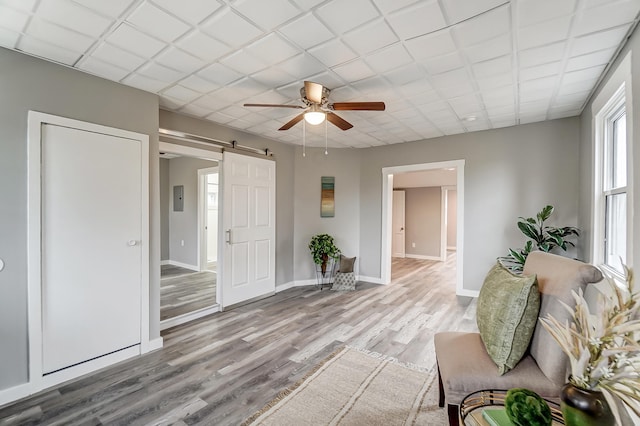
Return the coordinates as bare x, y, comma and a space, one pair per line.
604, 349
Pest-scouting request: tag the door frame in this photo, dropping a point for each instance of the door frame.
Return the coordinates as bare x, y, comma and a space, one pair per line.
175, 148
387, 205
203, 205
37, 381
404, 222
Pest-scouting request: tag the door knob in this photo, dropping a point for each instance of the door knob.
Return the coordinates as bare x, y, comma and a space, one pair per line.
132, 243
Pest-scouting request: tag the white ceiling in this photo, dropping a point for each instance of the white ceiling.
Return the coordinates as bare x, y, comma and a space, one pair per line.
442, 66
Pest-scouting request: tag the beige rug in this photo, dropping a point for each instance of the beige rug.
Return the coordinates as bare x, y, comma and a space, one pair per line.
352, 387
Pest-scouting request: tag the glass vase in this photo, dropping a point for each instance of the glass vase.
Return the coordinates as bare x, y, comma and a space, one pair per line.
582, 407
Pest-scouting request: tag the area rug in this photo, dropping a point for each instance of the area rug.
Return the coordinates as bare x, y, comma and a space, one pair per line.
353, 387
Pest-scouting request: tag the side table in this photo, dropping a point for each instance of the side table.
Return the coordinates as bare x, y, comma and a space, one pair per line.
475, 403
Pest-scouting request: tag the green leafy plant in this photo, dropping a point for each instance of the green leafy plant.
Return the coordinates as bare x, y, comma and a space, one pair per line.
322, 248
604, 349
541, 237
526, 408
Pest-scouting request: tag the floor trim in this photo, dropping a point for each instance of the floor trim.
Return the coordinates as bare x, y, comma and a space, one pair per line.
189, 316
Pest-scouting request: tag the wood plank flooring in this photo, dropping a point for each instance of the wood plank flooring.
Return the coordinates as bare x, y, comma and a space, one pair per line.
221, 369
183, 291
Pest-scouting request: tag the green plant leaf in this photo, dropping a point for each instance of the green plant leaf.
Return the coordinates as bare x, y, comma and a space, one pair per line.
528, 230
545, 213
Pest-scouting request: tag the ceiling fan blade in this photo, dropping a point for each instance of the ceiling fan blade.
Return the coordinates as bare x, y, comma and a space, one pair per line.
295, 120
313, 91
274, 106
357, 106
338, 121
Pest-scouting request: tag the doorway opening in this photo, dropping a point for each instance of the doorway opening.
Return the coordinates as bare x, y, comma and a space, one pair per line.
432, 229
189, 197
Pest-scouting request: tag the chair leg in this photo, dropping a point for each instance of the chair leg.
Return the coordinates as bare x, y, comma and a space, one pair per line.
440, 390
454, 416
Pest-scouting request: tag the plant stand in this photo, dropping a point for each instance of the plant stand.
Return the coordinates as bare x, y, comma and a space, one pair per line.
326, 279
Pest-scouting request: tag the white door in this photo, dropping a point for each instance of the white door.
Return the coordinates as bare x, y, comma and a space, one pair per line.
249, 195
397, 246
91, 189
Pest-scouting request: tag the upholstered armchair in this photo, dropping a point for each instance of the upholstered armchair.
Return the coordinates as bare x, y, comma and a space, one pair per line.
464, 365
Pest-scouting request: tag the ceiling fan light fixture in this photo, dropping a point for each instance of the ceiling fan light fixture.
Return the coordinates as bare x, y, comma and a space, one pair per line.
314, 117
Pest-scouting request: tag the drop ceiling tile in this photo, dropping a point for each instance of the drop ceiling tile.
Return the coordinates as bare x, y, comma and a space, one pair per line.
416, 88
444, 63
170, 103
243, 62
527, 96
219, 74
605, 17
575, 99
554, 115
533, 118
301, 66
492, 67
494, 81
589, 60
270, 97
431, 45
354, 70
536, 11
389, 58
272, 49
541, 55
291, 91
343, 16
131, 39
227, 26
580, 86
537, 107
370, 37
111, 8
25, 5
181, 93
388, 6
59, 36
459, 10
419, 19
499, 98
328, 79
306, 31
267, 14
544, 33
235, 111
599, 40
203, 46
273, 77
493, 48
243, 89
405, 74
212, 102
73, 16
144, 83
12, 19
179, 60
484, 27
451, 79
581, 75
465, 106
199, 84
192, 11
463, 88
333, 53
540, 71
118, 57
501, 112
157, 22
103, 69
45, 50
159, 72
195, 110
8, 38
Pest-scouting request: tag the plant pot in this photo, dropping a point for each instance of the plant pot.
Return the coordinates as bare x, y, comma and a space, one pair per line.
581, 407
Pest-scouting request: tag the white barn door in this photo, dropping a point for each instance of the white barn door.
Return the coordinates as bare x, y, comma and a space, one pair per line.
249, 188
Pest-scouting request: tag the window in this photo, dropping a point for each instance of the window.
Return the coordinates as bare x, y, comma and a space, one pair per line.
612, 226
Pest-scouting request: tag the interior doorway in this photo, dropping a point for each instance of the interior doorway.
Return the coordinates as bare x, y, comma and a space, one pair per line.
424, 198
208, 218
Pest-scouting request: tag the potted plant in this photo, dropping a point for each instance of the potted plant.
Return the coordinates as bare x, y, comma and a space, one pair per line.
322, 248
545, 238
604, 353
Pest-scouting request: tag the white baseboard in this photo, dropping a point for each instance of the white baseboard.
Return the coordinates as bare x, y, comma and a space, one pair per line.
468, 293
11, 395
184, 318
155, 344
423, 257
180, 264
285, 286
313, 282
372, 280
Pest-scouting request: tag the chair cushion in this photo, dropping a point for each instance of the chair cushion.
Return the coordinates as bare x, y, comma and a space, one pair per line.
557, 276
346, 264
344, 281
506, 314
466, 367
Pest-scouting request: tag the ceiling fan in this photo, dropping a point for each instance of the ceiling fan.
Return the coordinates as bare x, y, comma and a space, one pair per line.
317, 107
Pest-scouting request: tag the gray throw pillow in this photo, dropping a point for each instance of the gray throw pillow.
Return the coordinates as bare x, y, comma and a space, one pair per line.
506, 315
346, 264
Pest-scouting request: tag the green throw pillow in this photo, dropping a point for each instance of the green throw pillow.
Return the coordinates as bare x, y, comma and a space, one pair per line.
506, 315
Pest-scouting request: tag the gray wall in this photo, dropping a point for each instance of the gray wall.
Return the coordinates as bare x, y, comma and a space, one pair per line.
586, 153
27, 83
509, 172
422, 221
452, 218
164, 208
283, 155
344, 165
183, 226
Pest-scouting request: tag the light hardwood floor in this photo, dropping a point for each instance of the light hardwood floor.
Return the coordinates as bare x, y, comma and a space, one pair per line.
183, 291
221, 369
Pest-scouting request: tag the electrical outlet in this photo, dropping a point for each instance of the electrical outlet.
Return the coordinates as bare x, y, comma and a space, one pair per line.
413, 245
182, 243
